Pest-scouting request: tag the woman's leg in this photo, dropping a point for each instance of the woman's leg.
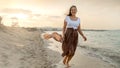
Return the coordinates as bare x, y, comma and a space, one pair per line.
70, 55
64, 60
68, 60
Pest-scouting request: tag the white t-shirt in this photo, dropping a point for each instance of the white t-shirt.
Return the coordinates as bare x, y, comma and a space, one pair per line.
71, 23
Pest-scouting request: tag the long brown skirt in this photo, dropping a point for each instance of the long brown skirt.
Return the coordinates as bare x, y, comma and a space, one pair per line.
70, 41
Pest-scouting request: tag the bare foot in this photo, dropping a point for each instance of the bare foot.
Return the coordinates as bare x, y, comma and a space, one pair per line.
68, 65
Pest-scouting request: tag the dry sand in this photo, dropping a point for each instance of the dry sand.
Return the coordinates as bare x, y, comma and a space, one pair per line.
23, 48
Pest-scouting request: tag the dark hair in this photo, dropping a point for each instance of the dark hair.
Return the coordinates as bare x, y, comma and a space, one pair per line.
70, 10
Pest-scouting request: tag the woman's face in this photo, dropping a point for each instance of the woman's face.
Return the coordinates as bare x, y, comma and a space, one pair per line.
73, 10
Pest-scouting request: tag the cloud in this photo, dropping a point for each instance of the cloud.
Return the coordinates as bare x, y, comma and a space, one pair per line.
8, 11
11, 10
54, 16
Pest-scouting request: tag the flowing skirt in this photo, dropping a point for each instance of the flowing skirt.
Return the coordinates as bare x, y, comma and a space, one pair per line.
70, 41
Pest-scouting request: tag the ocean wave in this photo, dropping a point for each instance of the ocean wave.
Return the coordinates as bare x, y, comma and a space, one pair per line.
107, 55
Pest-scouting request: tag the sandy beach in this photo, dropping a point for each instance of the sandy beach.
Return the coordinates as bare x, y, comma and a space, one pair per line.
26, 48
23, 48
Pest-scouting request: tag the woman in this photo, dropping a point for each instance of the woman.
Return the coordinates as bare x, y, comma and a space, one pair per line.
70, 35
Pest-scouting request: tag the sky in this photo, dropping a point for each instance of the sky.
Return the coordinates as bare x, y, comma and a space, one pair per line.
94, 14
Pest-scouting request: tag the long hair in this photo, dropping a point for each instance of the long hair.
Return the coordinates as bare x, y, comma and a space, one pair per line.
70, 14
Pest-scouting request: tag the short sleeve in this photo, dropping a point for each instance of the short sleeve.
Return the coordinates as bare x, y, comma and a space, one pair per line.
66, 18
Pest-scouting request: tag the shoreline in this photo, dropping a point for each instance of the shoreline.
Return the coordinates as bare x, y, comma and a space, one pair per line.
80, 60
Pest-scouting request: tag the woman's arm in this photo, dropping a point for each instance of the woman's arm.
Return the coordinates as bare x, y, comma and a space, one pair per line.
81, 33
64, 27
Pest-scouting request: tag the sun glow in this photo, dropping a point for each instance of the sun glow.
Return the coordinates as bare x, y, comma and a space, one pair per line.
18, 16
94, 14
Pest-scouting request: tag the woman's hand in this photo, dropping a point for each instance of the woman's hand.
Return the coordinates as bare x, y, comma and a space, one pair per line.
81, 33
85, 39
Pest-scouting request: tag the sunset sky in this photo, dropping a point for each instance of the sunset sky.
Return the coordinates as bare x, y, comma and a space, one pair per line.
94, 14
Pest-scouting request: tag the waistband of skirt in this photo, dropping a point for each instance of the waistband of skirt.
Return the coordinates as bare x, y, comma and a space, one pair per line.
72, 29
